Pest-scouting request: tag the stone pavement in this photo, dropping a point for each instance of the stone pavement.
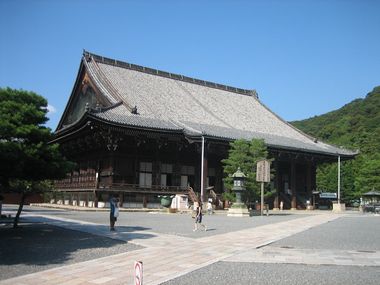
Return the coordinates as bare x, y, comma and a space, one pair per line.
271, 254
166, 257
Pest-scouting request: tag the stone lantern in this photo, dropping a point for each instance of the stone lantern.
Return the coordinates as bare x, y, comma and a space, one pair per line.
238, 209
239, 184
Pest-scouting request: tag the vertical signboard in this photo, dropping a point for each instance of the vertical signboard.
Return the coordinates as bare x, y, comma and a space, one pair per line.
263, 175
263, 171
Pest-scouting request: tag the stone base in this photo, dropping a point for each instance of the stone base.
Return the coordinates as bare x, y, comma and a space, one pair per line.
238, 210
339, 207
293, 209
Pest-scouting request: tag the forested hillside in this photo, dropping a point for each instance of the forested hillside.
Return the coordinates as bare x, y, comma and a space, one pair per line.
355, 126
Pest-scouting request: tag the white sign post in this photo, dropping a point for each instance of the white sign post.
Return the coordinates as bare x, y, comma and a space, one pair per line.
263, 175
138, 273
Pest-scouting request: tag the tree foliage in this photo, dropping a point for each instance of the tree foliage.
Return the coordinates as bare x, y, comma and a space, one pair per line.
25, 151
356, 126
244, 154
368, 173
27, 158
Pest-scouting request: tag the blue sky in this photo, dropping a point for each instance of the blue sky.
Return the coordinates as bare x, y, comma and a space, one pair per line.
304, 58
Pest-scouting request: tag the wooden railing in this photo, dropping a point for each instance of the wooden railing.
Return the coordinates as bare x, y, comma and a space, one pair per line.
124, 187
74, 185
139, 188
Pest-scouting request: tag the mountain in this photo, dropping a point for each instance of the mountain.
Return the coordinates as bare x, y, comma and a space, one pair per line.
356, 126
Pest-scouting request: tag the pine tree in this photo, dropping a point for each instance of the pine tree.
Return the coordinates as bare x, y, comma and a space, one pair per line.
244, 154
27, 158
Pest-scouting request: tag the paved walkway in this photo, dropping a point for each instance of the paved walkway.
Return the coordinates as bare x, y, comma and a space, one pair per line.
167, 256
271, 254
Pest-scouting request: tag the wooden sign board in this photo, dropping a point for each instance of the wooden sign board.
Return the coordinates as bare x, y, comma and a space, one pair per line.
263, 171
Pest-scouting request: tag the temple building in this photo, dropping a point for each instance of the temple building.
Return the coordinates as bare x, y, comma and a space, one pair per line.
140, 132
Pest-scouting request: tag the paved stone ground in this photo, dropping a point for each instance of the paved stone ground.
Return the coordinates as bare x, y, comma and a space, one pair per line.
285, 274
183, 259
343, 251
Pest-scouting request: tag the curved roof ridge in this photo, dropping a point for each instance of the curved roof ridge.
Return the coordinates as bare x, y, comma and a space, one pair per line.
102, 82
315, 140
135, 67
92, 72
187, 129
116, 115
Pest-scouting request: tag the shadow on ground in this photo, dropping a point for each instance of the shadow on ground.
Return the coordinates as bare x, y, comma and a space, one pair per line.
37, 246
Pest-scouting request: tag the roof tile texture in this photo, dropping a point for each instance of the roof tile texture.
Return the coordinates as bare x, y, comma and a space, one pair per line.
168, 103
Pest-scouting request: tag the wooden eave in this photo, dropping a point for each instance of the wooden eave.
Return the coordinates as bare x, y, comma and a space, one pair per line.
88, 120
130, 127
275, 148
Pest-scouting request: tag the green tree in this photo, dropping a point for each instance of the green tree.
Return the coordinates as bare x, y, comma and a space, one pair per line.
356, 126
27, 158
244, 154
368, 174
327, 179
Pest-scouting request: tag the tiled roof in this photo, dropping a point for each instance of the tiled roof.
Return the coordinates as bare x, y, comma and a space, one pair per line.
122, 116
272, 140
175, 102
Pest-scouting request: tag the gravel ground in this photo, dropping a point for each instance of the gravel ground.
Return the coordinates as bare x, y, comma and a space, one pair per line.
226, 273
175, 224
38, 246
35, 247
359, 232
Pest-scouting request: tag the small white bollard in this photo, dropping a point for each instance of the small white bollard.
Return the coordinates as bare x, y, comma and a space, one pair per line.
138, 273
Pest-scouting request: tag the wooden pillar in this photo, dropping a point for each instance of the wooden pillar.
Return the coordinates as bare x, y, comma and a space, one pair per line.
205, 174
112, 168
95, 199
313, 177
277, 182
293, 180
145, 201
158, 166
308, 181
121, 199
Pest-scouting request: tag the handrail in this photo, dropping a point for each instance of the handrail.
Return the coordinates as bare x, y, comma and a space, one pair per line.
61, 185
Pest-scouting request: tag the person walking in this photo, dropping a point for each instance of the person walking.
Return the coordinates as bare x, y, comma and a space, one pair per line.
209, 207
198, 218
114, 212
